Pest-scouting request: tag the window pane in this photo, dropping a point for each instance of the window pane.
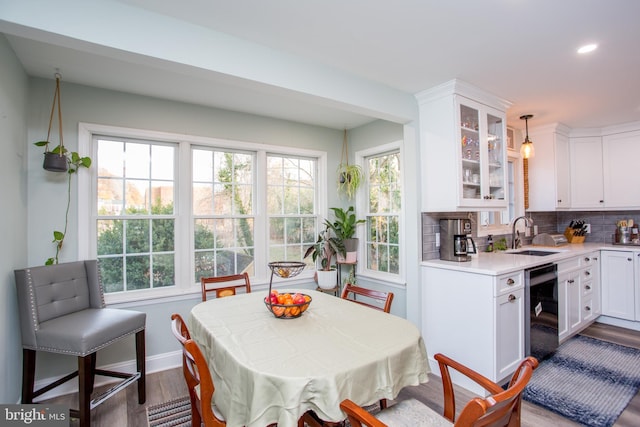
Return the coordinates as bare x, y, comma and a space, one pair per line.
138, 274
202, 199
162, 235
110, 199
111, 273
109, 237
136, 199
163, 270
137, 160
163, 161
110, 158
162, 197
137, 232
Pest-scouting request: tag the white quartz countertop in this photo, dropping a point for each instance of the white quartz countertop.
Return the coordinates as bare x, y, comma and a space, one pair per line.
501, 262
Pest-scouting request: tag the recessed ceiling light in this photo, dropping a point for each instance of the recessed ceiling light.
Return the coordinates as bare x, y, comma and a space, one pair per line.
588, 48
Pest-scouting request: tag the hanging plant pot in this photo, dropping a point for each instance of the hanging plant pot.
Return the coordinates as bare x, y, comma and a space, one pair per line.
349, 176
55, 162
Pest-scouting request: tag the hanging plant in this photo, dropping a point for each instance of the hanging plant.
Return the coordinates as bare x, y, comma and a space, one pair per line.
59, 159
349, 176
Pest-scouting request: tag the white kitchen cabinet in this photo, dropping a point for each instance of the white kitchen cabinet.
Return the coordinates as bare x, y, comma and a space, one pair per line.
578, 294
618, 150
618, 284
463, 149
587, 188
549, 169
476, 319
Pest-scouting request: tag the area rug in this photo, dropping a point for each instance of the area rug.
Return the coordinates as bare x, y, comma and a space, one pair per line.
587, 380
176, 413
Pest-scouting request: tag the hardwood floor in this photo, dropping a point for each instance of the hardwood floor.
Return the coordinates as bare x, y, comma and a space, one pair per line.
123, 409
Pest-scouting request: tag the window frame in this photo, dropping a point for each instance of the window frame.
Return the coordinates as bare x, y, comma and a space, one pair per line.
362, 197
184, 260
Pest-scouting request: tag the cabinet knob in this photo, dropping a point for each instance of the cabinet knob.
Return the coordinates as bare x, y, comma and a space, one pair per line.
587, 259
587, 287
512, 298
629, 259
559, 200
601, 201
570, 281
587, 273
587, 308
510, 281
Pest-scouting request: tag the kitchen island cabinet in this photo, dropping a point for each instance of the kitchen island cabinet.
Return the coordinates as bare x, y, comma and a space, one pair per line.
476, 319
463, 150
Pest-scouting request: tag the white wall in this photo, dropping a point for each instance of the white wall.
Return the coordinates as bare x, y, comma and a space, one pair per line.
13, 227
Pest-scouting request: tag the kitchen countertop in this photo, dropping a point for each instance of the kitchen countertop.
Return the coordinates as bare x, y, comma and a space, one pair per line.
503, 262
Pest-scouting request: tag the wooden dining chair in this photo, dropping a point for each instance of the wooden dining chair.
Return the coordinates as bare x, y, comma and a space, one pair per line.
225, 286
198, 378
501, 409
383, 299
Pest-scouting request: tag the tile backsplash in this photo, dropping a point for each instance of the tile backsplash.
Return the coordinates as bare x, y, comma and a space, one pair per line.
603, 224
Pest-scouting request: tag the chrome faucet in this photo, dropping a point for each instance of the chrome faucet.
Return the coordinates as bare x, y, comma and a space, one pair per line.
515, 239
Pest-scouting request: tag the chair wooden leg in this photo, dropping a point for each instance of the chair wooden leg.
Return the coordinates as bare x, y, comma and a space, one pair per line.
92, 373
28, 374
84, 389
141, 367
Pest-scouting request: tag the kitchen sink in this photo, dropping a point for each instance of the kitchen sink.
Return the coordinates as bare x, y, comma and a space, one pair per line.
533, 252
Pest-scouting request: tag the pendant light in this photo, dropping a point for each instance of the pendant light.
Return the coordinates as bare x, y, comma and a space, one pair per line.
526, 149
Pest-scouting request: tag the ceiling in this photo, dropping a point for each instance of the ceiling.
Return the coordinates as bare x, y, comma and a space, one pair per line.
521, 50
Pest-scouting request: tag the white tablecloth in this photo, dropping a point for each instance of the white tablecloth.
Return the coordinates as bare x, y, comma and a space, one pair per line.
268, 370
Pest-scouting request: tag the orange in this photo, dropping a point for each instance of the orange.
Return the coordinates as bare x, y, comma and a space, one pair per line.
295, 311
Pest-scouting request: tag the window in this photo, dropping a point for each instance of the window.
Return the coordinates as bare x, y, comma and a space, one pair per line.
382, 204
163, 210
291, 195
497, 222
135, 214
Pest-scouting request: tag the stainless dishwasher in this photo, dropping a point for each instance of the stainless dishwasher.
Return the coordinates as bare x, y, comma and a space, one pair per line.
541, 299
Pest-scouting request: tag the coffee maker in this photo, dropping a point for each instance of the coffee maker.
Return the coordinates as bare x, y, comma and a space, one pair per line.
453, 239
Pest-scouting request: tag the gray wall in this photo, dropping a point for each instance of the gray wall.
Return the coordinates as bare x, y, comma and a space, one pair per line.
13, 227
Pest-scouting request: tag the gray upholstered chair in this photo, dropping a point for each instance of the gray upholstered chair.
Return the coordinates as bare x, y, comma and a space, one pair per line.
62, 310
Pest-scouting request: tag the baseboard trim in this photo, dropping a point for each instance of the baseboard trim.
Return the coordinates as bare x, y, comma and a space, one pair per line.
156, 363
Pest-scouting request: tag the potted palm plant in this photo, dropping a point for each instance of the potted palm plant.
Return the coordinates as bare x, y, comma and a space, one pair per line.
344, 227
325, 247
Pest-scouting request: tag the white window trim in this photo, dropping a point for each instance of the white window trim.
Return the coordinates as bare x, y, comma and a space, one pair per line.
361, 206
184, 261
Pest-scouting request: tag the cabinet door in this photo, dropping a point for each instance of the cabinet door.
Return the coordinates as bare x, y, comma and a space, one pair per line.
509, 332
568, 303
617, 282
617, 151
563, 199
586, 172
574, 307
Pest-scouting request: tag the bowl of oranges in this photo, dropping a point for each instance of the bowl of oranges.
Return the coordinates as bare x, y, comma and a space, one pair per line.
287, 305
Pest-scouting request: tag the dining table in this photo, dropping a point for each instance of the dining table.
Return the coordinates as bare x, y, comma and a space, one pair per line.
270, 370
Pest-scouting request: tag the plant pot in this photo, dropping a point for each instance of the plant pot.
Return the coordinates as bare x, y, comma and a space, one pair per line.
351, 251
55, 162
327, 279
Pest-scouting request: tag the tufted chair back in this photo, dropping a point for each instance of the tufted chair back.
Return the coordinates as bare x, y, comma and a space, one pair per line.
52, 291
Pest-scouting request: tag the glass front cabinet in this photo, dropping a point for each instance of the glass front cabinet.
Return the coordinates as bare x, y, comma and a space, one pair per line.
463, 151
